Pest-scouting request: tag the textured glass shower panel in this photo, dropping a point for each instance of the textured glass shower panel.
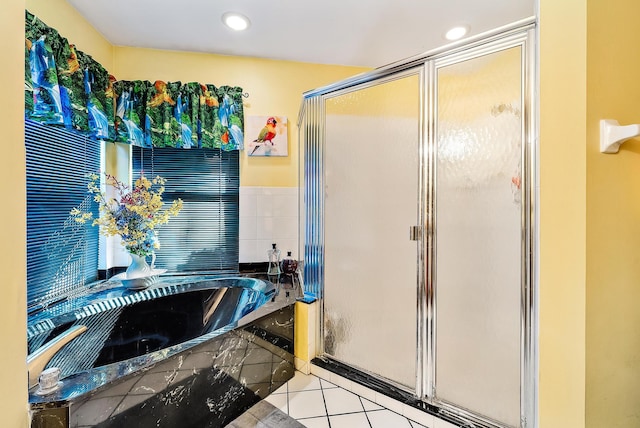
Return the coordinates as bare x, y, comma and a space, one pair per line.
478, 235
371, 200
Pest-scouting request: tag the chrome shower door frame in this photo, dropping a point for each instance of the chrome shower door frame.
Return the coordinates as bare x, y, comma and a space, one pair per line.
417, 71
523, 38
312, 134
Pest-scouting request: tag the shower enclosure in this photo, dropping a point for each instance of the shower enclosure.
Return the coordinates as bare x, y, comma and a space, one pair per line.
418, 208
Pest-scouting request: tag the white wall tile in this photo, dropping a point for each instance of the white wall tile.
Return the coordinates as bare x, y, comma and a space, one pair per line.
247, 249
262, 246
265, 226
265, 206
285, 205
248, 204
285, 227
268, 215
248, 228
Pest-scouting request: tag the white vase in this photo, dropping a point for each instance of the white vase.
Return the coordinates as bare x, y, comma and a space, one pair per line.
139, 267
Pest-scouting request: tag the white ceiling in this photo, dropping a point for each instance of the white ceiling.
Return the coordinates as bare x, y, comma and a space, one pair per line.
369, 33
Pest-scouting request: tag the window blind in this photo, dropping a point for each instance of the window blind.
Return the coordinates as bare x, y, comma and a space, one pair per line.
62, 255
204, 236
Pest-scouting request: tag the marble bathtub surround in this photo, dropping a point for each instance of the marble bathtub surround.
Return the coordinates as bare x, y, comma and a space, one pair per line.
208, 387
206, 381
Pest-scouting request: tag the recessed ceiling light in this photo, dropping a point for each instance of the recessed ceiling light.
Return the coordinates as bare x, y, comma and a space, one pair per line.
456, 33
236, 21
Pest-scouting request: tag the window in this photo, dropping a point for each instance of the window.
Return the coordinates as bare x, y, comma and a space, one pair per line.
204, 236
62, 255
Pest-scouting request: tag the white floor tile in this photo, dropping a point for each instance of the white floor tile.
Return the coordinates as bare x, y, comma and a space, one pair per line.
439, 423
339, 401
303, 382
327, 385
312, 397
370, 405
279, 401
386, 418
417, 415
306, 404
322, 422
352, 420
281, 390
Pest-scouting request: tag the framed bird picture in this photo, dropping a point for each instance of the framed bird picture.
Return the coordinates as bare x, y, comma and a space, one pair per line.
266, 136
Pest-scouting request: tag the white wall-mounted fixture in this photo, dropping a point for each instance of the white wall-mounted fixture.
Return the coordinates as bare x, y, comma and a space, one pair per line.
236, 21
612, 135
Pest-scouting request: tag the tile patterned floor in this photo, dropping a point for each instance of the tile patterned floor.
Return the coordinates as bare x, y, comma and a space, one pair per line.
317, 402
264, 415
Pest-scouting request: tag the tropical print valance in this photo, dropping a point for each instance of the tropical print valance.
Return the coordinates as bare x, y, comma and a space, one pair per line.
64, 86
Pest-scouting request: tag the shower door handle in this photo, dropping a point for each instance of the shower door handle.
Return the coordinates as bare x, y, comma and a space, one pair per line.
415, 233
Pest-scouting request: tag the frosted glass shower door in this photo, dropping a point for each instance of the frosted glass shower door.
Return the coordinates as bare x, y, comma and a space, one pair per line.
479, 235
372, 173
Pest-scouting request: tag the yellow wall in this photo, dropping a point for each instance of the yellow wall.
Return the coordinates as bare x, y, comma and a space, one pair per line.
562, 263
274, 87
63, 17
13, 306
613, 219
605, 308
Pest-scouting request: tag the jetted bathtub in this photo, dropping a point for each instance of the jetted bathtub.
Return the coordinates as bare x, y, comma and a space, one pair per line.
191, 351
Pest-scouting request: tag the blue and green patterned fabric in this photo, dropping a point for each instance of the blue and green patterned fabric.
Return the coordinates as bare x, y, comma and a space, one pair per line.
64, 86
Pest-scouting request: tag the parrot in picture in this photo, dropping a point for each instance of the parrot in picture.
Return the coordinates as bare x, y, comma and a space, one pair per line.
267, 134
